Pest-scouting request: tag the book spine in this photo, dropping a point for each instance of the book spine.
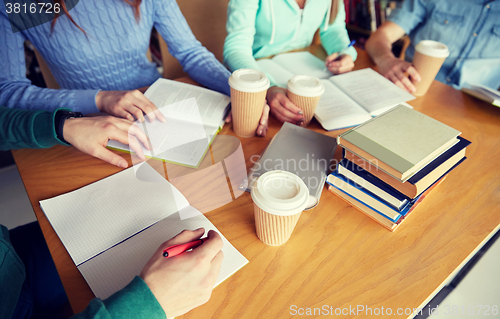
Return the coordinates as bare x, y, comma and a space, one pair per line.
373, 15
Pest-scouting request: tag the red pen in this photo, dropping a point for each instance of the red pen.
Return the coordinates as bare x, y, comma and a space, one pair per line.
179, 249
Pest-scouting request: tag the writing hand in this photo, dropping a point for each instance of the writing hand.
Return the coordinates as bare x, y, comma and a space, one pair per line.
342, 65
91, 134
184, 282
128, 105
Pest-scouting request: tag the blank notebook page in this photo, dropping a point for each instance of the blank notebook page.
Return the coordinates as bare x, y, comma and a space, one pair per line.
116, 267
98, 216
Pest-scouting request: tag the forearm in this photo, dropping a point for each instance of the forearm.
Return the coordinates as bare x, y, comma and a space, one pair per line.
21, 95
379, 45
197, 61
27, 129
16, 90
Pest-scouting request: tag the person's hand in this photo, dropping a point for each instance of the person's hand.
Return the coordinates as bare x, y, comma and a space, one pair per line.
398, 71
282, 108
128, 105
185, 281
91, 134
263, 123
343, 65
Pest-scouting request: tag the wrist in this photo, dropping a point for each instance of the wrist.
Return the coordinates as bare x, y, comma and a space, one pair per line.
98, 100
62, 120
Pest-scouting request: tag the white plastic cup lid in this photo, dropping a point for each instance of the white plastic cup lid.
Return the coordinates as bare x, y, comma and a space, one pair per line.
433, 48
249, 80
306, 85
280, 193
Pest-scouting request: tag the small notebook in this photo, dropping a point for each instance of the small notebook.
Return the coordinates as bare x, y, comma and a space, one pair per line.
300, 151
194, 116
112, 227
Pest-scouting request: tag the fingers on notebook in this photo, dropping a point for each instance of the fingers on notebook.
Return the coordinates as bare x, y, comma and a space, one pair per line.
109, 157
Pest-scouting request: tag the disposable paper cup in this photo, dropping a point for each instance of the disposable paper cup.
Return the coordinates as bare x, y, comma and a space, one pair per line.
279, 198
305, 91
248, 94
428, 59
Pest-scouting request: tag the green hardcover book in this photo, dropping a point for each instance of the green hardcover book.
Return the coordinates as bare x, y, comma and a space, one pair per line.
400, 141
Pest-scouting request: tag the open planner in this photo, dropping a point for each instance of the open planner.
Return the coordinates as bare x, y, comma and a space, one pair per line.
194, 116
350, 99
112, 227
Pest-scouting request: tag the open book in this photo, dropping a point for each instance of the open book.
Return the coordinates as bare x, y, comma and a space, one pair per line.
284, 66
194, 116
483, 93
349, 99
112, 227
355, 97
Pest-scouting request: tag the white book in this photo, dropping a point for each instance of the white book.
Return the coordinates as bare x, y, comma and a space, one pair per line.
350, 99
483, 93
112, 227
194, 116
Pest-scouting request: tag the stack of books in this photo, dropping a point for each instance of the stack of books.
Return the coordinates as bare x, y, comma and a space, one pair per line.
393, 161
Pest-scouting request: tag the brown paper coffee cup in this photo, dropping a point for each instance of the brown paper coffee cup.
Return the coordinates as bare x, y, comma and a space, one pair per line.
428, 59
305, 91
279, 198
248, 94
247, 109
306, 103
274, 230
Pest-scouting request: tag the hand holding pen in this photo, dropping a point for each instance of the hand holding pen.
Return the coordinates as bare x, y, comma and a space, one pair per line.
184, 282
340, 62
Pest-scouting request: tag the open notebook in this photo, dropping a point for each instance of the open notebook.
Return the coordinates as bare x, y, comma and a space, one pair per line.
194, 116
112, 227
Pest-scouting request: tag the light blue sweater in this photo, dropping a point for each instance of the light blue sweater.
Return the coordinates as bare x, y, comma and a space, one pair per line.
261, 28
111, 57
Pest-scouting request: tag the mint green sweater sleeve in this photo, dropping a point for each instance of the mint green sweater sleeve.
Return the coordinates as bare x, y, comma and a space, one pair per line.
135, 301
27, 129
335, 37
262, 28
240, 27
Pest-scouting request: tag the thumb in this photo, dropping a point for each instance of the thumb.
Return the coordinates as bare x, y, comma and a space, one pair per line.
229, 117
331, 58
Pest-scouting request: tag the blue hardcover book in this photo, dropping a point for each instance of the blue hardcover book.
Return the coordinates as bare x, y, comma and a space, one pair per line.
372, 184
422, 180
367, 198
462, 143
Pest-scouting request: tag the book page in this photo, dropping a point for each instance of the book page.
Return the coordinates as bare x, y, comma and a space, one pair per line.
280, 75
93, 218
299, 63
116, 267
177, 140
212, 105
371, 90
336, 110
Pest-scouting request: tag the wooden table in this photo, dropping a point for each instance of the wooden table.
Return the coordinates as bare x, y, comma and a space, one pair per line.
337, 257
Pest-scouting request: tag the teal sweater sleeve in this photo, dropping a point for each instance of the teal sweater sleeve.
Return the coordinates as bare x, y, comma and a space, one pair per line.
135, 301
27, 129
12, 275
